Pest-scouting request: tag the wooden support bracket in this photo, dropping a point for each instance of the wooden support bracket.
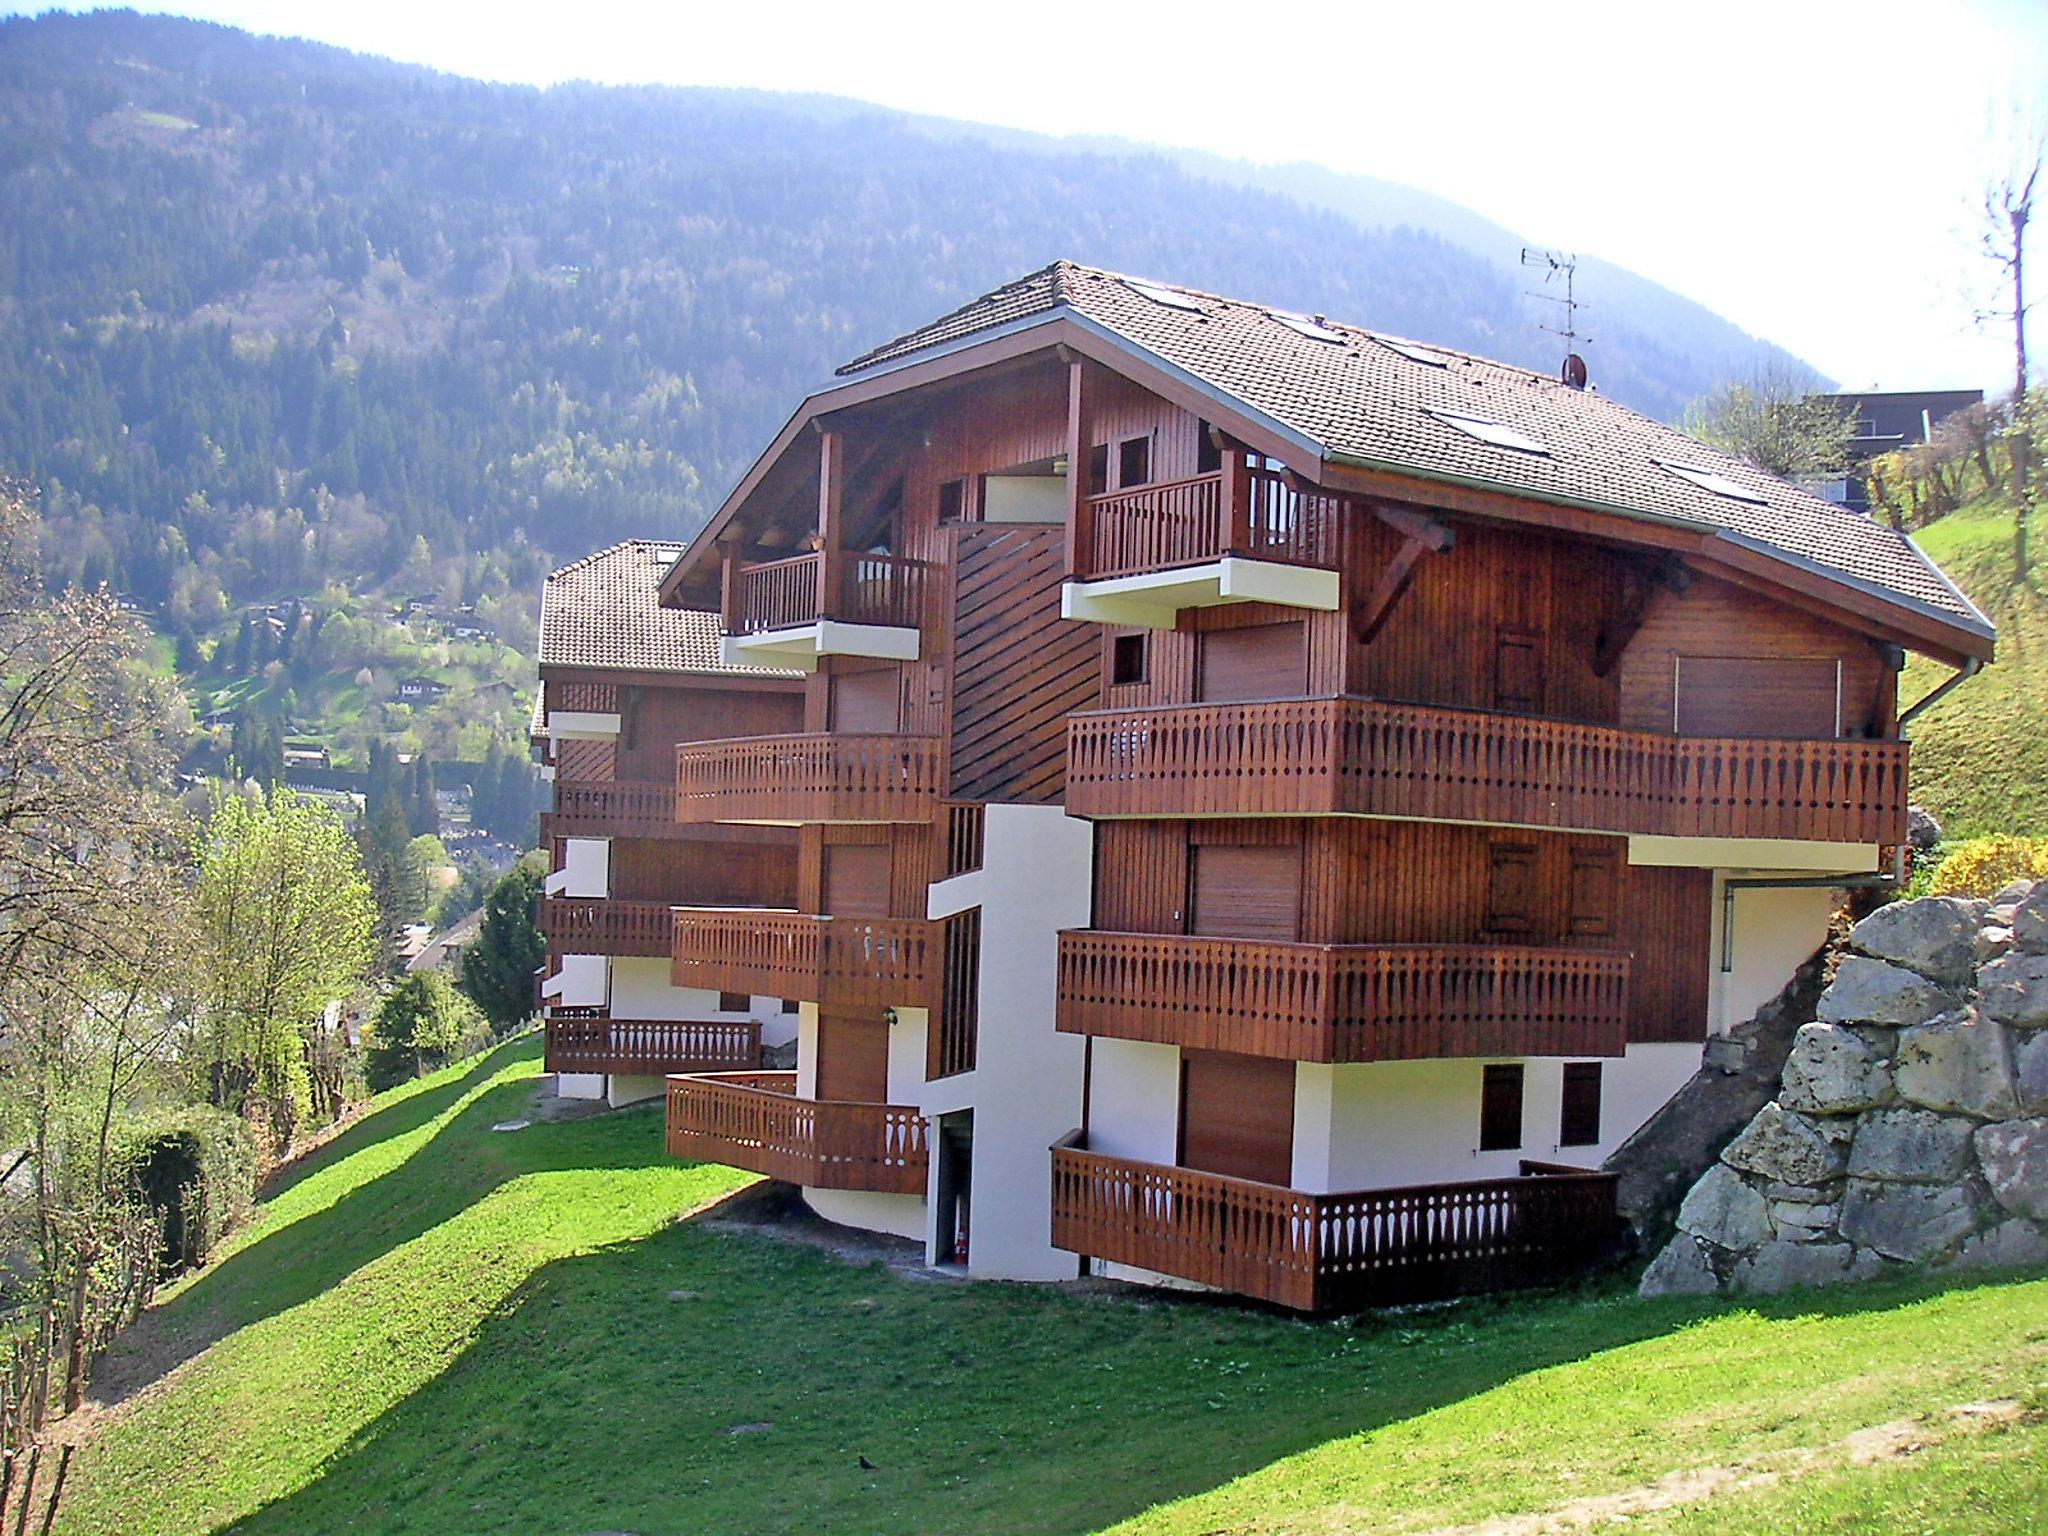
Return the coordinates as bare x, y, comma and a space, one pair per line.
1640, 589
1420, 535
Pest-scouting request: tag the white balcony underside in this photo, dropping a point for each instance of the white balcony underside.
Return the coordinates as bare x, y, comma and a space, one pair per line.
799, 647
1151, 599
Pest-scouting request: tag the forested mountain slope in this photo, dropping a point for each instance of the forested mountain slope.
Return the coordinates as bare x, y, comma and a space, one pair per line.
271, 314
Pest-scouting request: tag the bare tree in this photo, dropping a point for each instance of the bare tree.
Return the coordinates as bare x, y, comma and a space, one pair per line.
1777, 423
2008, 210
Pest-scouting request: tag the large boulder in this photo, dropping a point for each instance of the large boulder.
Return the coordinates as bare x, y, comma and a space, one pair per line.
1779, 1267
1960, 1064
1934, 935
2030, 1072
1911, 1146
2014, 1156
2013, 989
1868, 991
1923, 831
2030, 920
1723, 1210
1906, 1221
1833, 1070
1682, 1269
2009, 1245
1786, 1147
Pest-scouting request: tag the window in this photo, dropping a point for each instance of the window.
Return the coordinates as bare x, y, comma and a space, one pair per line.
734, 1002
952, 500
789, 1005
1133, 462
1208, 457
1710, 480
1127, 659
1098, 469
1314, 327
1413, 353
1486, 430
1578, 1119
1158, 293
1500, 1108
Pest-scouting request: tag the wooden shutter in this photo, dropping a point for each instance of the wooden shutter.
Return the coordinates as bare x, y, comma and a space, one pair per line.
1246, 893
857, 880
1518, 671
1511, 888
1595, 882
1757, 696
1578, 1120
587, 760
865, 701
1500, 1108
853, 1058
1237, 1116
1260, 661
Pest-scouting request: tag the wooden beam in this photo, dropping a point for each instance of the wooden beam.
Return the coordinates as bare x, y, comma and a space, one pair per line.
1367, 622
1080, 448
831, 519
1414, 525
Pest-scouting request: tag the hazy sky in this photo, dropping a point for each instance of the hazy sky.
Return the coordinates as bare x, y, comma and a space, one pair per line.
1807, 169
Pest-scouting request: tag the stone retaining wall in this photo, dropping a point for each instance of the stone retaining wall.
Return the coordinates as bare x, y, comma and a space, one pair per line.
1910, 1125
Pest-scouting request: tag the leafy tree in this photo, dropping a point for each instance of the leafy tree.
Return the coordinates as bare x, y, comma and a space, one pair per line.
288, 926
1776, 424
420, 1024
498, 969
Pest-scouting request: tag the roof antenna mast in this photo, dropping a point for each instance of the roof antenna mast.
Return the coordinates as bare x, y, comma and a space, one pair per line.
1553, 263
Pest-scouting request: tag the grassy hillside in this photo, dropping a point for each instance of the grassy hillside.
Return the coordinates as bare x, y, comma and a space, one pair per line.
1980, 757
436, 1327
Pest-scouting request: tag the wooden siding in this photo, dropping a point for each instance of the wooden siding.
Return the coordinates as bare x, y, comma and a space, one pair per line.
1237, 1116
852, 1057
753, 1120
653, 720
704, 874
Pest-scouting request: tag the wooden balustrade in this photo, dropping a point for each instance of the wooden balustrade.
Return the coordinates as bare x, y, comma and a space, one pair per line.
1258, 515
612, 808
798, 590
1343, 1002
966, 830
1333, 1252
829, 776
953, 1038
590, 1041
852, 961
753, 1120
583, 698
1366, 757
577, 925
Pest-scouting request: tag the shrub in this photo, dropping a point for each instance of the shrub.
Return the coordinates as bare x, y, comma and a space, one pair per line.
421, 1024
1981, 866
195, 1166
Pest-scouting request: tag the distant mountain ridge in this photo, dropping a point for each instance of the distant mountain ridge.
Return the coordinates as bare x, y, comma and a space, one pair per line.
274, 314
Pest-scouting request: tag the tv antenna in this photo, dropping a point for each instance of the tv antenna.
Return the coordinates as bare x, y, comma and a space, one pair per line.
1552, 263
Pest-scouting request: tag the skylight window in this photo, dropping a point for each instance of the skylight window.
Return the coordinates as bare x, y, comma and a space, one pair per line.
1170, 297
1708, 480
1413, 353
1314, 327
1498, 434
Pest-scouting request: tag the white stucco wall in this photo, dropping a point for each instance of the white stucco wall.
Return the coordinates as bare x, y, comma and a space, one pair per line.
586, 868
1776, 932
898, 1215
581, 981
621, 1088
1134, 1100
579, 1085
641, 990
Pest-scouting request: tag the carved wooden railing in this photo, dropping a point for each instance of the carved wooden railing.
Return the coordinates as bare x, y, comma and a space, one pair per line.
1367, 757
581, 1040
1256, 513
1335, 1252
579, 925
877, 962
1343, 1002
753, 1120
823, 777
801, 589
612, 808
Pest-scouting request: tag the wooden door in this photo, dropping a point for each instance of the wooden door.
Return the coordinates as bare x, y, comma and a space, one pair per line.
1245, 893
1237, 1116
865, 701
1757, 696
853, 1058
1518, 671
857, 880
1260, 661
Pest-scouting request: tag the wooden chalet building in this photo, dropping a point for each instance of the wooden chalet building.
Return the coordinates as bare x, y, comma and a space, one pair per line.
1242, 799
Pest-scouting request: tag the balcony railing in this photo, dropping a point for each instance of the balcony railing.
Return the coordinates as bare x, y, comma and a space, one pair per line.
815, 778
1343, 1002
1259, 516
1336, 1252
612, 808
802, 589
852, 961
584, 698
578, 925
1365, 757
753, 1120
588, 1040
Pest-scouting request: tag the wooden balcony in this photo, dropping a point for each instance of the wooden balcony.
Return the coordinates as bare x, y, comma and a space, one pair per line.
590, 1040
576, 925
855, 962
753, 1120
1343, 1002
1335, 1252
828, 777
1366, 757
829, 602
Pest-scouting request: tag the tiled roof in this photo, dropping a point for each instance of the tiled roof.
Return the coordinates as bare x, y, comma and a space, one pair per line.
1356, 398
600, 611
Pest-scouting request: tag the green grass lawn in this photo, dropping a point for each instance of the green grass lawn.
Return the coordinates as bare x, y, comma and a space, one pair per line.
438, 1328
